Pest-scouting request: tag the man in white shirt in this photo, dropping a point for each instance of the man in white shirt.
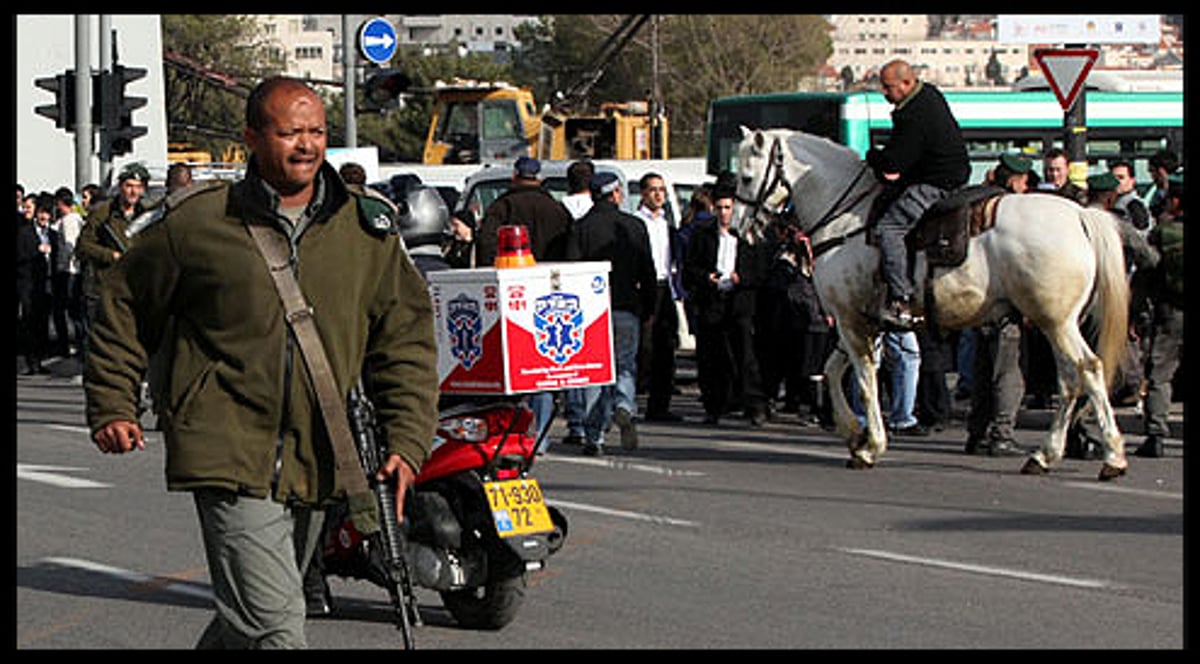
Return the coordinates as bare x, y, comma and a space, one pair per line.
67, 281
656, 352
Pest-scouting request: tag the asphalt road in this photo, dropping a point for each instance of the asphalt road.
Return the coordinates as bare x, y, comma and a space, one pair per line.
705, 537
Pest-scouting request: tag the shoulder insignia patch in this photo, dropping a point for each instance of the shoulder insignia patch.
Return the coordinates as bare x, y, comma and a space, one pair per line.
376, 213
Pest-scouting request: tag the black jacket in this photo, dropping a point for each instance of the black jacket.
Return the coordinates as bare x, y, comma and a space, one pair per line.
701, 260
926, 145
606, 233
529, 205
34, 269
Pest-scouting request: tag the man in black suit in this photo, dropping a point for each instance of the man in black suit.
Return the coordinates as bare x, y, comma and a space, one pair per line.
37, 249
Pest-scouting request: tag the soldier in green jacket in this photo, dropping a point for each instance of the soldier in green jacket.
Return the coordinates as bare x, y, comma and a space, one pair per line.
242, 426
102, 239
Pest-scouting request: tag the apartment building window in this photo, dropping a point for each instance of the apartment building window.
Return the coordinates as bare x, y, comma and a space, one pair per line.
308, 52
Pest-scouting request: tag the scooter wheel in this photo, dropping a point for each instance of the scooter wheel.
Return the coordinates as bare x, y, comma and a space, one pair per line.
491, 606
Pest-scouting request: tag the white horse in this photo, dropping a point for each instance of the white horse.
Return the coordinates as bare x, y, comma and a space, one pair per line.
1046, 257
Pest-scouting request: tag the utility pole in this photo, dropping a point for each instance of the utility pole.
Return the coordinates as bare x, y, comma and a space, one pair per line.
83, 107
656, 138
349, 60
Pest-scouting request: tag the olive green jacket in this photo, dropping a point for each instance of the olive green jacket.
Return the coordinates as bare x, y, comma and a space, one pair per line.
101, 235
241, 413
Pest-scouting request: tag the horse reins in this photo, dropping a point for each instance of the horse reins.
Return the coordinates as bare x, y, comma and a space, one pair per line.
837, 209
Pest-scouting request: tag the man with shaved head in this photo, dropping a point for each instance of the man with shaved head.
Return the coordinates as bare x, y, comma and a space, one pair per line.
924, 159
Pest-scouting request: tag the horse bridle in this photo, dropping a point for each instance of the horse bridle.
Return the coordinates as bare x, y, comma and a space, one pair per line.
839, 207
768, 185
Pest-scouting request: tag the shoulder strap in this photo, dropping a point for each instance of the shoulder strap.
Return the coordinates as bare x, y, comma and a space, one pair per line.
299, 316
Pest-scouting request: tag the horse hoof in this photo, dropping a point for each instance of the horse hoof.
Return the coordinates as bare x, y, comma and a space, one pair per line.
1110, 472
857, 463
1032, 467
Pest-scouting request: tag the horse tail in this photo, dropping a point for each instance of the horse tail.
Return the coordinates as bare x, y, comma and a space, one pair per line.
1110, 299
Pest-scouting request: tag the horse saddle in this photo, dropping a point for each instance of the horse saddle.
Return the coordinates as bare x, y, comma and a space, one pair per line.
946, 228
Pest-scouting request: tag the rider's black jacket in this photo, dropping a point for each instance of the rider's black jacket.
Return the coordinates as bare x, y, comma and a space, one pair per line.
926, 145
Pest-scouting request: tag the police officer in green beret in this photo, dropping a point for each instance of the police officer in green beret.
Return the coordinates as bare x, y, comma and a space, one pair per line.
1166, 331
242, 427
102, 240
1012, 173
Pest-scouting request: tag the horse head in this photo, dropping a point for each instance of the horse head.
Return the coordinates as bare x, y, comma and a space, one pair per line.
764, 179
779, 166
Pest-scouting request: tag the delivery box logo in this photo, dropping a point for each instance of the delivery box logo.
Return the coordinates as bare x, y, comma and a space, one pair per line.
558, 322
466, 330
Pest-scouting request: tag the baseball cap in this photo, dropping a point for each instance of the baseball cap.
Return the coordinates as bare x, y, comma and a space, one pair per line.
527, 167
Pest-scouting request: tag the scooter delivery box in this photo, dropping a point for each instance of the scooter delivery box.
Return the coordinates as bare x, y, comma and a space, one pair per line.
523, 329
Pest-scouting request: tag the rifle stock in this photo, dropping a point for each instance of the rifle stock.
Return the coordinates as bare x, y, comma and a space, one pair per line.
391, 537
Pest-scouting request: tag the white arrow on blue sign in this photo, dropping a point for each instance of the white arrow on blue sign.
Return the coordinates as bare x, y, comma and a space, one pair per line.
377, 40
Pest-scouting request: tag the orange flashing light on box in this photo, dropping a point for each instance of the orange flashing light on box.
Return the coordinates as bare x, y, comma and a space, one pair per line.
512, 249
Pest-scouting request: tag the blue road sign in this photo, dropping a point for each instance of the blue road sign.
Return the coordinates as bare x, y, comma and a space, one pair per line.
377, 40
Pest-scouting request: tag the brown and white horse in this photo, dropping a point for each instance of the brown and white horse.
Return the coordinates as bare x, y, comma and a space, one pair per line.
1046, 257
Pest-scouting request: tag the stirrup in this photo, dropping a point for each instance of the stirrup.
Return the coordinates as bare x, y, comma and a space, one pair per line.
896, 317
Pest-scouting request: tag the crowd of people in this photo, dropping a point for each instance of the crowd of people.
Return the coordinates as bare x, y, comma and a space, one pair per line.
120, 288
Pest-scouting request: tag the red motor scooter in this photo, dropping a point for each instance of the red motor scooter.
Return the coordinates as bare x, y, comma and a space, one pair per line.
476, 523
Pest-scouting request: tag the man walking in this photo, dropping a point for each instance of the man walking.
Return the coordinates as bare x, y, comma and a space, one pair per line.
656, 350
606, 233
242, 426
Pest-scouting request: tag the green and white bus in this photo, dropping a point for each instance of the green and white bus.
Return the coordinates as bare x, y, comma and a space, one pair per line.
1120, 125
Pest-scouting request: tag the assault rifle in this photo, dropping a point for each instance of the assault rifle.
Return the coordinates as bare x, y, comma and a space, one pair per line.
390, 537
113, 236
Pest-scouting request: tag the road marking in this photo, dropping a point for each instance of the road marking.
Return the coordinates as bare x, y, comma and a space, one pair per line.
70, 428
637, 516
1095, 486
51, 475
619, 464
154, 582
981, 569
841, 453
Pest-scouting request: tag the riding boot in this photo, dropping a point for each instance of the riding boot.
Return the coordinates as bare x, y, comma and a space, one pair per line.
897, 316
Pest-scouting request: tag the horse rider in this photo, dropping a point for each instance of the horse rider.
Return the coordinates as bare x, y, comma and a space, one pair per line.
924, 159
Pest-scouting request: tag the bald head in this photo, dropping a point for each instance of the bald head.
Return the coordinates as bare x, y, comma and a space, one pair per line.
896, 79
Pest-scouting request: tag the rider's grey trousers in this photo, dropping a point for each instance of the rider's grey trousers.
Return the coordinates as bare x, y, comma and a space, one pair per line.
900, 216
256, 549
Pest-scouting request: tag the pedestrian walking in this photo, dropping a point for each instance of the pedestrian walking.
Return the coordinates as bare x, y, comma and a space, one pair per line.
242, 425
606, 233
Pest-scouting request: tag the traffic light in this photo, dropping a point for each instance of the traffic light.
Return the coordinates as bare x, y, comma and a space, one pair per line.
383, 89
116, 114
62, 111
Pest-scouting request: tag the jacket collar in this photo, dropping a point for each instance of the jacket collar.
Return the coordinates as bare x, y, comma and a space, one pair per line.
253, 196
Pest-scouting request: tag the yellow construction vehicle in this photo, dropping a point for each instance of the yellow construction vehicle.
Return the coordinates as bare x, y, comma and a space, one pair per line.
476, 122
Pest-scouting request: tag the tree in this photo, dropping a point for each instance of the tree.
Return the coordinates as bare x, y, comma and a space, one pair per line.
701, 57
213, 60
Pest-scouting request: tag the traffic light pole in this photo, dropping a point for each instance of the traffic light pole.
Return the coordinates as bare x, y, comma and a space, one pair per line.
83, 107
1075, 138
349, 62
106, 65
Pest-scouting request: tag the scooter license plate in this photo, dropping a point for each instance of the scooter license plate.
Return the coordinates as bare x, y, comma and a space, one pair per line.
518, 507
